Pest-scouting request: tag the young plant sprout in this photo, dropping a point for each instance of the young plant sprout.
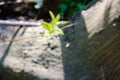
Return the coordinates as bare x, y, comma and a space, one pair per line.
52, 26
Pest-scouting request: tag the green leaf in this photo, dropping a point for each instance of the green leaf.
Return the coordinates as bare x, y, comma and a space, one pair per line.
53, 21
45, 25
51, 27
62, 22
58, 31
57, 18
52, 15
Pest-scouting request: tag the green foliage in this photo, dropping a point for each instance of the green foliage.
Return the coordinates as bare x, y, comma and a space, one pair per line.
52, 27
70, 7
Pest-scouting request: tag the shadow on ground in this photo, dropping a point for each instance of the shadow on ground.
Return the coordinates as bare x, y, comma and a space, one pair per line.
75, 52
83, 56
9, 74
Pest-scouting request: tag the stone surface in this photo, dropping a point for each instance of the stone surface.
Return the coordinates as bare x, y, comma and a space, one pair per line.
38, 56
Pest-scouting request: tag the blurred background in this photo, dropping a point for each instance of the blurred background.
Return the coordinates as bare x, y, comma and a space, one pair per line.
38, 9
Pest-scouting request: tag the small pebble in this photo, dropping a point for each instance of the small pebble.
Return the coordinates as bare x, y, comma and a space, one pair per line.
67, 45
114, 24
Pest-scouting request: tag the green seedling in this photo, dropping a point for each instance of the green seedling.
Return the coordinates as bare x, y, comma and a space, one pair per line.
52, 26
